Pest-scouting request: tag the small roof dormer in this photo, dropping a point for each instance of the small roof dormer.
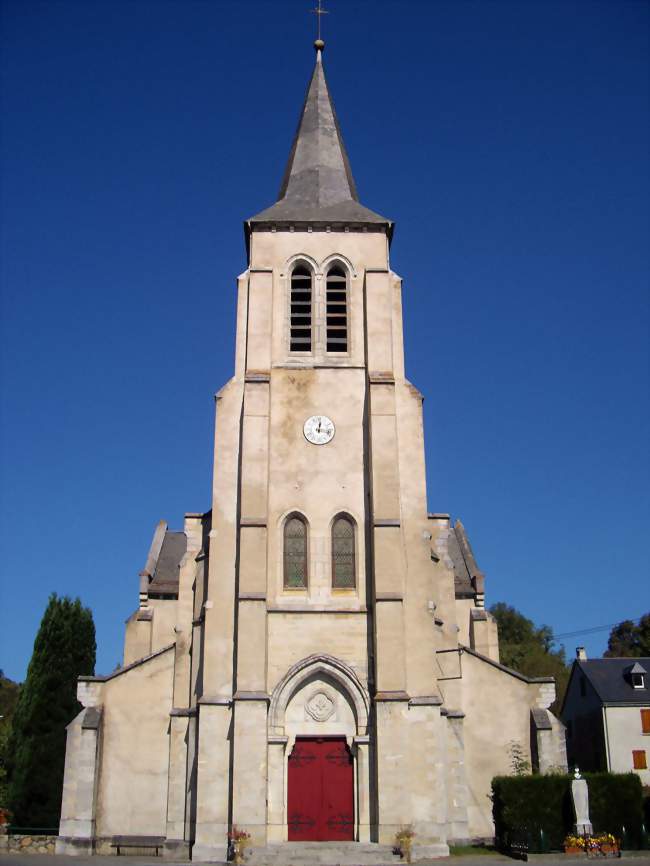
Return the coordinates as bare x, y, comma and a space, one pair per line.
636, 675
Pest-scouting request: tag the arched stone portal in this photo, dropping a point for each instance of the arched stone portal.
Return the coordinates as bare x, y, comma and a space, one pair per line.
320, 696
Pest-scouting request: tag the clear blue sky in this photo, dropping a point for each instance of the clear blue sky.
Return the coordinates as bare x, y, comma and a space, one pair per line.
509, 142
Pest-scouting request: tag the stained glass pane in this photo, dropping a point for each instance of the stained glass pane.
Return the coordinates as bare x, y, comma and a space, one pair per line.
295, 553
343, 567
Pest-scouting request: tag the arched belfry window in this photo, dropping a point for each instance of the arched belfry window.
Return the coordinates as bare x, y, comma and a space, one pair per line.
295, 552
301, 306
343, 558
337, 310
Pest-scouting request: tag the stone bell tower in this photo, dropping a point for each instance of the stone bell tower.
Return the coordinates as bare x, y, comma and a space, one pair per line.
311, 660
319, 545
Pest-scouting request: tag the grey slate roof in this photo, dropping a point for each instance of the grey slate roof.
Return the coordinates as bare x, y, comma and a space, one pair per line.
611, 681
462, 557
318, 186
165, 575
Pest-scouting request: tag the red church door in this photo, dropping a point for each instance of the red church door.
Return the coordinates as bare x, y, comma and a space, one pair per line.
320, 797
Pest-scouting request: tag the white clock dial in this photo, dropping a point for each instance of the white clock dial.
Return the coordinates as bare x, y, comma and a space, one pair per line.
319, 429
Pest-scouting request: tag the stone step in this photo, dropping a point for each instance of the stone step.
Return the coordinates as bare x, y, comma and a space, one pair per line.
335, 854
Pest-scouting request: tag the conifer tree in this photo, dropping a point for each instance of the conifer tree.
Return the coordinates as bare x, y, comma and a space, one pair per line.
63, 650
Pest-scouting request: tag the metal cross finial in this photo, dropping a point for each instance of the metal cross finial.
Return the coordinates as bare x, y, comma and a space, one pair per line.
318, 12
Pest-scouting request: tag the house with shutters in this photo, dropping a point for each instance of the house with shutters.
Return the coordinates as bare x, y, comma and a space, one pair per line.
606, 711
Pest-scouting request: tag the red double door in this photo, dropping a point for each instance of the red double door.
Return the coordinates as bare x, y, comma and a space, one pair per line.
320, 797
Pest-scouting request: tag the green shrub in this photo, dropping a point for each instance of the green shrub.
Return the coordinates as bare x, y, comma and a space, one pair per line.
616, 802
538, 810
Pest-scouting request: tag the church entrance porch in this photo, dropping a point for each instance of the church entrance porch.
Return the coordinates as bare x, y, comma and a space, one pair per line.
320, 796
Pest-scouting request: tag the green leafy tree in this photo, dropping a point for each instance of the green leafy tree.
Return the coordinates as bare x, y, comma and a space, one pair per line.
8, 698
628, 640
63, 650
528, 648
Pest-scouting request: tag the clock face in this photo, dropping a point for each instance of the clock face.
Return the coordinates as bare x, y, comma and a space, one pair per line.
319, 429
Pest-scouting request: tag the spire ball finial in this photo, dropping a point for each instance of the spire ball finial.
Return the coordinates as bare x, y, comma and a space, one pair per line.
319, 45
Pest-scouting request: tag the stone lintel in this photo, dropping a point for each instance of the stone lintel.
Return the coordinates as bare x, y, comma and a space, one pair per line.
426, 701
144, 615
214, 701
389, 596
277, 739
438, 515
257, 377
252, 596
386, 521
392, 696
377, 271
251, 696
183, 711
361, 739
252, 521
379, 377
260, 270
194, 515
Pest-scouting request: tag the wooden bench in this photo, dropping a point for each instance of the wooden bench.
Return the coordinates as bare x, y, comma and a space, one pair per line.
120, 842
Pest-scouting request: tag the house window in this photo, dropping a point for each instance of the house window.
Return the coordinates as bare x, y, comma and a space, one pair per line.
639, 761
343, 565
301, 305
337, 310
295, 553
645, 721
637, 681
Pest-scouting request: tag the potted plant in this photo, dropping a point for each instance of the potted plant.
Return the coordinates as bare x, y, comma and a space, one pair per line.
238, 839
601, 844
404, 841
575, 844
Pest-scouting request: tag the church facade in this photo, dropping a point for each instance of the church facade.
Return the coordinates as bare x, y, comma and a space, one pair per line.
311, 660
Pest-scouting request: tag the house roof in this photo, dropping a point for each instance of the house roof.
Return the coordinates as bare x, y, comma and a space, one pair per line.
610, 678
318, 186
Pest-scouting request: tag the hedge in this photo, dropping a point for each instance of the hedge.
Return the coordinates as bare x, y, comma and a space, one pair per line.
539, 809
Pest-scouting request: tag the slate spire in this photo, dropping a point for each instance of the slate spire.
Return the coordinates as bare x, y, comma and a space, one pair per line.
318, 186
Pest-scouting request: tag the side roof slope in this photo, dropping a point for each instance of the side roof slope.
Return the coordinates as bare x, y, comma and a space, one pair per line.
611, 682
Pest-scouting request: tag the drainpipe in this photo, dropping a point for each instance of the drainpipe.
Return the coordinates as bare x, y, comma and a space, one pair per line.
606, 732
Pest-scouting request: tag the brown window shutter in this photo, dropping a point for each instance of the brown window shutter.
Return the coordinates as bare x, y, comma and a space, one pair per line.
639, 759
645, 721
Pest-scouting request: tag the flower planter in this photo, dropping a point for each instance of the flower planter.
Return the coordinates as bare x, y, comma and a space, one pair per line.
573, 850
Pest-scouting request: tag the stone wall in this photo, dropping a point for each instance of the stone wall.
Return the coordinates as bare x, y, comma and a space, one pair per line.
24, 844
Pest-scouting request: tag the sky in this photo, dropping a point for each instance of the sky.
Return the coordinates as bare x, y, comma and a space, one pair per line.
508, 140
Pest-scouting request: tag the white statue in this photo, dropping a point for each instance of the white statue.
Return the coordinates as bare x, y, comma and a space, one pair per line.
580, 794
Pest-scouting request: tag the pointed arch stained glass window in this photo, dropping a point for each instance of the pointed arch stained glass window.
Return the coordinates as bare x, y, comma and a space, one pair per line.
343, 559
295, 553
